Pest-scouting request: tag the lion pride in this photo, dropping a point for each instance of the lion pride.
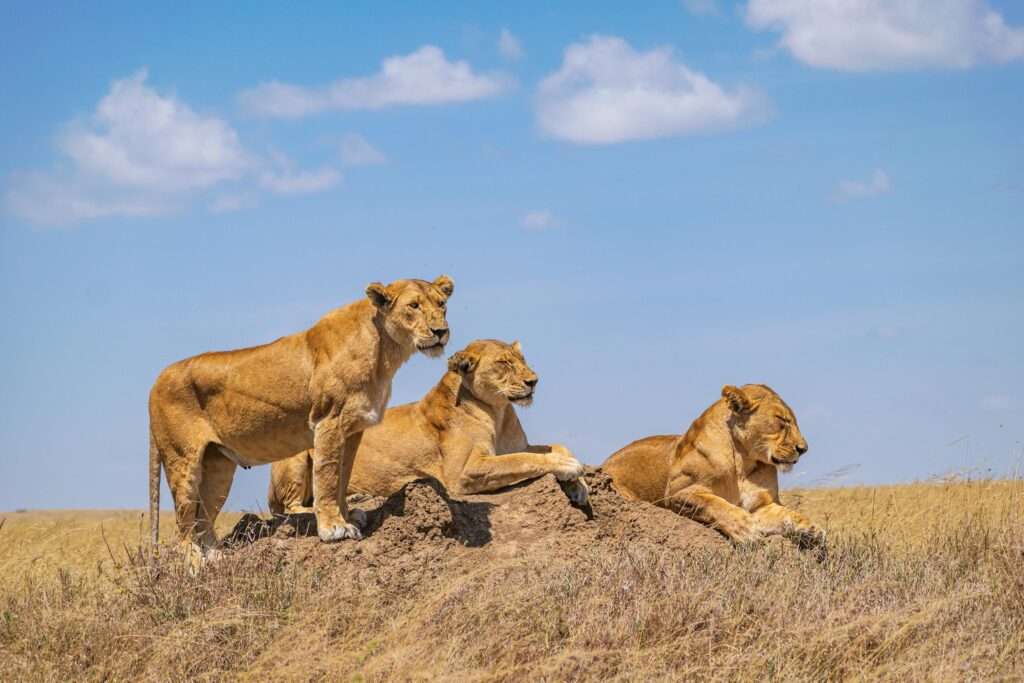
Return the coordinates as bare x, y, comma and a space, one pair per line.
319, 388
464, 433
723, 472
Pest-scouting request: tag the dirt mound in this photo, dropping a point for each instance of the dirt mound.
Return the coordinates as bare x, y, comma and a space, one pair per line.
422, 522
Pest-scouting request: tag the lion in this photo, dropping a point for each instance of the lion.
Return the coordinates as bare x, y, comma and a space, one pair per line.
315, 389
723, 472
464, 433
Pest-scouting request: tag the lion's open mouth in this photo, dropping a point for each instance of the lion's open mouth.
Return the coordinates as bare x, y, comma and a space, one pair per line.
431, 347
780, 461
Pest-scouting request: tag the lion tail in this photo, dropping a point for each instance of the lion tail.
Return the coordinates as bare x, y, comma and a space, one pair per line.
154, 494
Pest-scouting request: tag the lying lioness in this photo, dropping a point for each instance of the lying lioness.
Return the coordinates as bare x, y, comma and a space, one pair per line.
723, 470
321, 387
464, 433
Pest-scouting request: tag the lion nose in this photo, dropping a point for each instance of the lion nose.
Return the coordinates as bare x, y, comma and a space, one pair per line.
531, 382
440, 332
801, 448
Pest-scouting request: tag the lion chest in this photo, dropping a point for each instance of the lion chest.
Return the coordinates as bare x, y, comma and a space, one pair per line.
365, 410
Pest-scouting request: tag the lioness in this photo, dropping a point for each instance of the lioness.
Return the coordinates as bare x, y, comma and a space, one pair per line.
464, 433
319, 388
723, 471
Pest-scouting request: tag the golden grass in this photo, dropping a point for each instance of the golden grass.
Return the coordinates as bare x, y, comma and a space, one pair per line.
922, 582
37, 542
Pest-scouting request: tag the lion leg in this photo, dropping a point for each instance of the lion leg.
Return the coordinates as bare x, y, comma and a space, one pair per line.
291, 485
348, 461
702, 505
218, 472
183, 478
484, 472
328, 454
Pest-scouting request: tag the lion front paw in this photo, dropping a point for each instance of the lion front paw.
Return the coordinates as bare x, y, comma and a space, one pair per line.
565, 467
808, 537
743, 532
339, 532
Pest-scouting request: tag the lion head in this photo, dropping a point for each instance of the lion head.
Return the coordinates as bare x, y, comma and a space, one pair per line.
764, 426
495, 372
414, 312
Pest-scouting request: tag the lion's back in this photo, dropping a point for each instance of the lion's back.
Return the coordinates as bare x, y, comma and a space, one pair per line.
640, 470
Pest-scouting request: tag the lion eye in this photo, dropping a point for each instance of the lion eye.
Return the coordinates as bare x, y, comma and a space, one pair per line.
414, 304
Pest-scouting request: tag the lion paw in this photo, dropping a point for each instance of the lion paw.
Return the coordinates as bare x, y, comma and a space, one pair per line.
577, 491
808, 537
340, 532
212, 555
566, 466
744, 533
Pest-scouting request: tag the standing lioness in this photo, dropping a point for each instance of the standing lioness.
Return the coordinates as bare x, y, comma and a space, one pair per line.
319, 388
463, 433
723, 470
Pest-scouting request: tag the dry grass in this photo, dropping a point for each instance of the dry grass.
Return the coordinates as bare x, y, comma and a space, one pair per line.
922, 582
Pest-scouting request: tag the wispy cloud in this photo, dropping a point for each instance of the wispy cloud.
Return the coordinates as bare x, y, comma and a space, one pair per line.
355, 150
864, 35
607, 92
877, 183
300, 182
509, 46
143, 153
539, 220
423, 77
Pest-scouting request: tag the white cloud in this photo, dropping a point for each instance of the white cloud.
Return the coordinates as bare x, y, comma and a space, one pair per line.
702, 8
286, 179
137, 138
355, 150
864, 35
539, 220
606, 92
878, 183
143, 153
423, 77
509, 46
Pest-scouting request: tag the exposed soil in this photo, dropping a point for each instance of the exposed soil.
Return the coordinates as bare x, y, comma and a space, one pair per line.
422, 521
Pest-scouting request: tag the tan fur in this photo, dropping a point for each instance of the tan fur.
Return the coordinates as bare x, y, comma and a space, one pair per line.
319, 388
723, 470
464, 433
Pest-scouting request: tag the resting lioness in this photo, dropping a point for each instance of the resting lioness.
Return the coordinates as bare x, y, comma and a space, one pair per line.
464, 433
723, 470
319, 388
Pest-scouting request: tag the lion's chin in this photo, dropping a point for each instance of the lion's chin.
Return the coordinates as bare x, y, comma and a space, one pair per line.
523, 401
782, 465
435, 351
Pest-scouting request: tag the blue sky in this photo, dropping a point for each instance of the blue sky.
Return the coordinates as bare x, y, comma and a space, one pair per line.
825, 198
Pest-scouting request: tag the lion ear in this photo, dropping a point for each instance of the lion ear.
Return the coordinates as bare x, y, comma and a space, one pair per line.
378, 295
738, 401
462, 362
445, 284
517, 347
